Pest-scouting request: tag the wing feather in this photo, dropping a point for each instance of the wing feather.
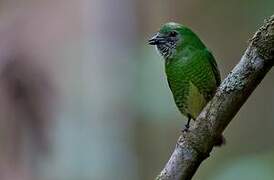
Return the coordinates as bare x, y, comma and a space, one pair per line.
204, 73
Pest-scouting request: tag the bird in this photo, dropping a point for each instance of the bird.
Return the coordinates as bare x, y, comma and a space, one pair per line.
191, 69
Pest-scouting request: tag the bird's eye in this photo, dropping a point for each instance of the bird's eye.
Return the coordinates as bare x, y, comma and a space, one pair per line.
173, 34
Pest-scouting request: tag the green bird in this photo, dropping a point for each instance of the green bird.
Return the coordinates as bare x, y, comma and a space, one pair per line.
191, 69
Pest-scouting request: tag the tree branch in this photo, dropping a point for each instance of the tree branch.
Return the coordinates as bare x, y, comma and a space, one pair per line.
195, 145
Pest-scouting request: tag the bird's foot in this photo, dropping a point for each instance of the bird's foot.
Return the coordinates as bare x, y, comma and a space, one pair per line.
185, 129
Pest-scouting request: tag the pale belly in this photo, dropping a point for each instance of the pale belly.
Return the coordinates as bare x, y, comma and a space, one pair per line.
192, 103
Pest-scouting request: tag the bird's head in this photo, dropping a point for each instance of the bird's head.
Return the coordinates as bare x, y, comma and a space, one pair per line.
172, 38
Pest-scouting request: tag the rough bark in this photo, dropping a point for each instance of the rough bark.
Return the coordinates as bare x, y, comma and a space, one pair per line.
194, 146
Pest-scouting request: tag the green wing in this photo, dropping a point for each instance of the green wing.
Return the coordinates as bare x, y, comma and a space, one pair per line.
214, 66
204, 74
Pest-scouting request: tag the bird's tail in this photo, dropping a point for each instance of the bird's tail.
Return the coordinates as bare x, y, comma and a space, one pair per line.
220, 141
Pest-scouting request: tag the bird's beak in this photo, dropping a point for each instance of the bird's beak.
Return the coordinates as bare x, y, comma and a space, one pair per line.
156, 39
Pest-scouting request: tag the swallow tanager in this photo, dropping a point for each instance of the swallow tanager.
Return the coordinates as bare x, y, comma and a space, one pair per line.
191, 69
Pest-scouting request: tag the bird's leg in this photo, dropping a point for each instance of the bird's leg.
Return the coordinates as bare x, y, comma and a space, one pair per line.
187, 124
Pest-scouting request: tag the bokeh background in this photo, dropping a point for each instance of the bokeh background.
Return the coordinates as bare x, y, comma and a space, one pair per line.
83, 97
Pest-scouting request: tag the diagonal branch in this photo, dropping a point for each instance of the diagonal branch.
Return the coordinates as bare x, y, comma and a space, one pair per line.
194, 146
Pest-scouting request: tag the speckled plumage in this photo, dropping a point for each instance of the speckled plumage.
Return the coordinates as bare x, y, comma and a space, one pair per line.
191, 69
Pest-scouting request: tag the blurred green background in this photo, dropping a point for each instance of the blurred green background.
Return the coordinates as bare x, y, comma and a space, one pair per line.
83, 97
